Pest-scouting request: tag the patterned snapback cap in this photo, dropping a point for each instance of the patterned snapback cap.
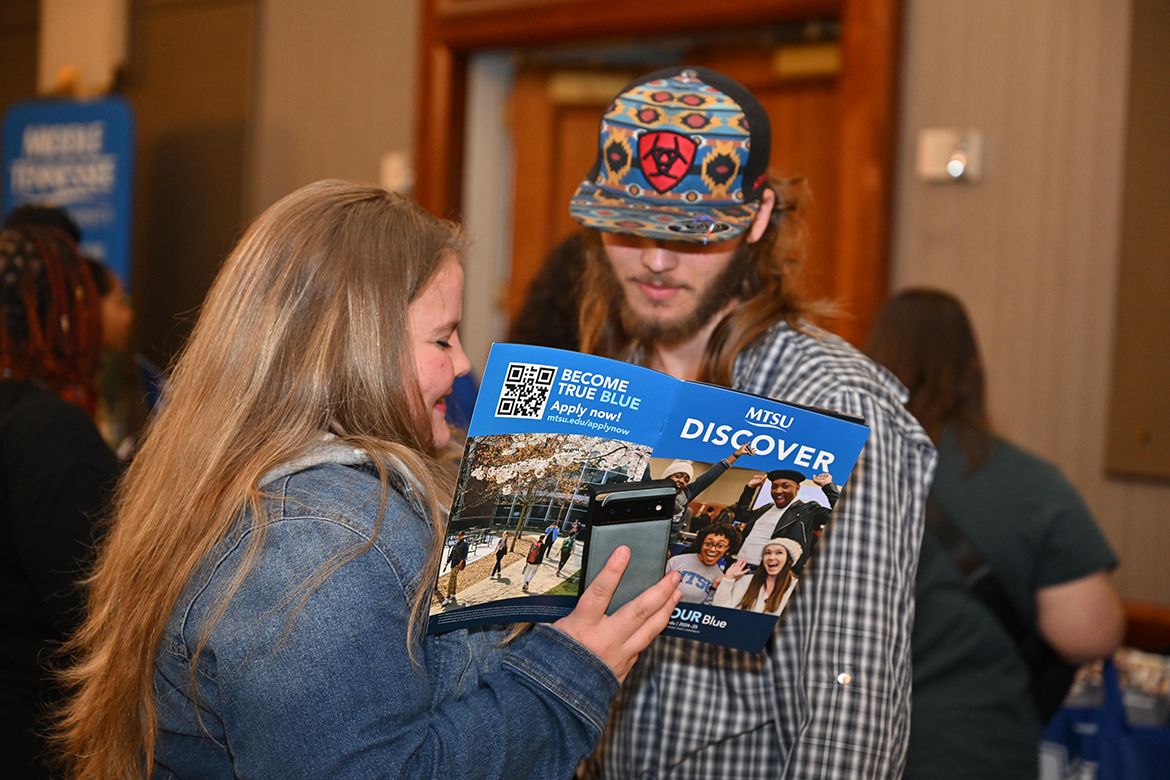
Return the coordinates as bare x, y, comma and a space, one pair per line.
682, 156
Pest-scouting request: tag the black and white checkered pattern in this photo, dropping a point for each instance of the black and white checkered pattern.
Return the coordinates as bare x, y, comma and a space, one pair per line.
830, 698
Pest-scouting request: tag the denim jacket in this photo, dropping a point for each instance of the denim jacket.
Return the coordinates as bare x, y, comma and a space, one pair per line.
290, 685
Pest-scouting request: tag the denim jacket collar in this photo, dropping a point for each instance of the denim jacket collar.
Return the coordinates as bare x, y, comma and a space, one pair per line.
328, 450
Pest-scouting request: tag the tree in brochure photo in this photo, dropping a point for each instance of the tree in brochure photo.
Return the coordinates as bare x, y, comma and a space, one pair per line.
571, 455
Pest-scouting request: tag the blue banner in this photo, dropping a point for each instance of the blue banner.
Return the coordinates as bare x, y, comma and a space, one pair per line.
76, 155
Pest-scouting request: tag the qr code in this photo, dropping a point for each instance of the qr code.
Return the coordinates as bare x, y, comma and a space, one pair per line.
526, 389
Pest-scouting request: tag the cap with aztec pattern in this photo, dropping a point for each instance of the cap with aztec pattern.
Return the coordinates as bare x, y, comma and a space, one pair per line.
682, 156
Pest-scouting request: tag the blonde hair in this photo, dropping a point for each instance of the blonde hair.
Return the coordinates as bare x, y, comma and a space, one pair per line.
768, 288
301, 333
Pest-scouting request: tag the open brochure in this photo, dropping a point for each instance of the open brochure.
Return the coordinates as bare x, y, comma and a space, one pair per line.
551, 427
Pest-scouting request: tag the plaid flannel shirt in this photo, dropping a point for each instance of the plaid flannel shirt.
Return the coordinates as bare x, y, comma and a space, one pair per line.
830, 698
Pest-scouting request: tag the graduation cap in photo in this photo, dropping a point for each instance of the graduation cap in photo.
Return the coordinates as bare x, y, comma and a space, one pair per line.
790, 474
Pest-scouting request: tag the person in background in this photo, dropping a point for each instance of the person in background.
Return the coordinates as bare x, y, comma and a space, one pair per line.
701, 520
548, 316
120, 391
117, 313
532, 562
56, 473
973, 714
118, 411
725, 517
501, 551
692, 268
456, 562
566, 552
258, 608
550, 535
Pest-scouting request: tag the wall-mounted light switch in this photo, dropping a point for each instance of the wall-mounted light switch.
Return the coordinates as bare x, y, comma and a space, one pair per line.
947, 155
396, 173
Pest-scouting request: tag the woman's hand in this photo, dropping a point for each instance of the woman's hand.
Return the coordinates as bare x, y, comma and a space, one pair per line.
618, 638
736, 570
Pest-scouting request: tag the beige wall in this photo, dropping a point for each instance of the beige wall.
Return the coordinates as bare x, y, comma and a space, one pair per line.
335, 92
1033, 248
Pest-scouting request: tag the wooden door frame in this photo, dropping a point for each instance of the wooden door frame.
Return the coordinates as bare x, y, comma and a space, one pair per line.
453, 30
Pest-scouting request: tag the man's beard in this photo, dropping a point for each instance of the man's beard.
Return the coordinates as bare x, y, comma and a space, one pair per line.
718, 294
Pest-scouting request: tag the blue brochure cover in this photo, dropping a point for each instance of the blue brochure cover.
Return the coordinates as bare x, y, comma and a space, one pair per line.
756, 480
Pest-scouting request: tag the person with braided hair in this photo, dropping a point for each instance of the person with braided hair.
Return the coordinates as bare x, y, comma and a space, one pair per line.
56, 471
119, 391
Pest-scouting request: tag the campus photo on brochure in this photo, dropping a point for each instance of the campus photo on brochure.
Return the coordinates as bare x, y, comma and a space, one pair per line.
569, 454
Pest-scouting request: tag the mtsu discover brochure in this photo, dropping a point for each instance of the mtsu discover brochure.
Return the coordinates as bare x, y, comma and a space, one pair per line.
755, 481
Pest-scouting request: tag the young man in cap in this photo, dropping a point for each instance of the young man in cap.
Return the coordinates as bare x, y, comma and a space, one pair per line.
690, 270
787, 516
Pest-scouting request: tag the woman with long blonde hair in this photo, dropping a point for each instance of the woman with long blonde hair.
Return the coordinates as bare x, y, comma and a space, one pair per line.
257, 609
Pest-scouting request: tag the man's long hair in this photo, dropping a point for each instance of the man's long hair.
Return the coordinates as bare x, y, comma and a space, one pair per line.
303, 333
50, 314
768, 288
548, 317
925, 339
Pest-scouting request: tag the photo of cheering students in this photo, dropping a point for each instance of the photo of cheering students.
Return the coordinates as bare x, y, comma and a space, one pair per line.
786, 515
768, 588
750, 556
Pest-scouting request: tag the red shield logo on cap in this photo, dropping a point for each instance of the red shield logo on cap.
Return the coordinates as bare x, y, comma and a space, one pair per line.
665, 157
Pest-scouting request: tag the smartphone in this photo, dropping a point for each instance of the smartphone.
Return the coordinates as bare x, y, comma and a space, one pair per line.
638, 515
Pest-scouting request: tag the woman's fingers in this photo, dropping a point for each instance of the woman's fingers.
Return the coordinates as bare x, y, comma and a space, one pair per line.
644, 618
618, 639
595, 600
